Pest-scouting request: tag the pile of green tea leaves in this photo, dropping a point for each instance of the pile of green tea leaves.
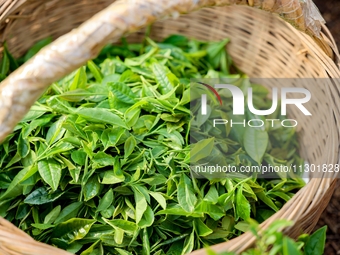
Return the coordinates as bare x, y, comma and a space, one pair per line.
100, 164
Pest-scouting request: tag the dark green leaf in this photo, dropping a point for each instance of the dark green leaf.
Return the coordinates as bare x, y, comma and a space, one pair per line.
316, 242
290, 247
23, 146
37, 47
41, 196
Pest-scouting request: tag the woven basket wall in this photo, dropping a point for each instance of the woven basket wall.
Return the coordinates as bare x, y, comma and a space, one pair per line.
262, 45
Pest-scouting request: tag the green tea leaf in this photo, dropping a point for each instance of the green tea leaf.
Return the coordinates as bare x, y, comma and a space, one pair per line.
146, 242
255, 143
242, 205
185, 194
316, 242
56, 131
100, 115
69, 212
13, 64
23, 147
106, 201
141, 205
91, 188
147, 218
201, 149
79, 80
52, 215
201, 228
102, 159
122, 92
159, 198
95, 71
290, 247
79, 157
127, 226
261, 195
41, 196
129, 146
91, 249
4, 65
73, 229
14, 189
42, 226
188, 244
50, 171
161, 76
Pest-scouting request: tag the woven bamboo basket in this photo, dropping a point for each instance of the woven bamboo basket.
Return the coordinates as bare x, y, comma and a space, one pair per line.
269, 39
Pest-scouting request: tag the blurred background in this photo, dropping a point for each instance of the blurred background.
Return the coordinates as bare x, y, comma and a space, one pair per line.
330, 10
